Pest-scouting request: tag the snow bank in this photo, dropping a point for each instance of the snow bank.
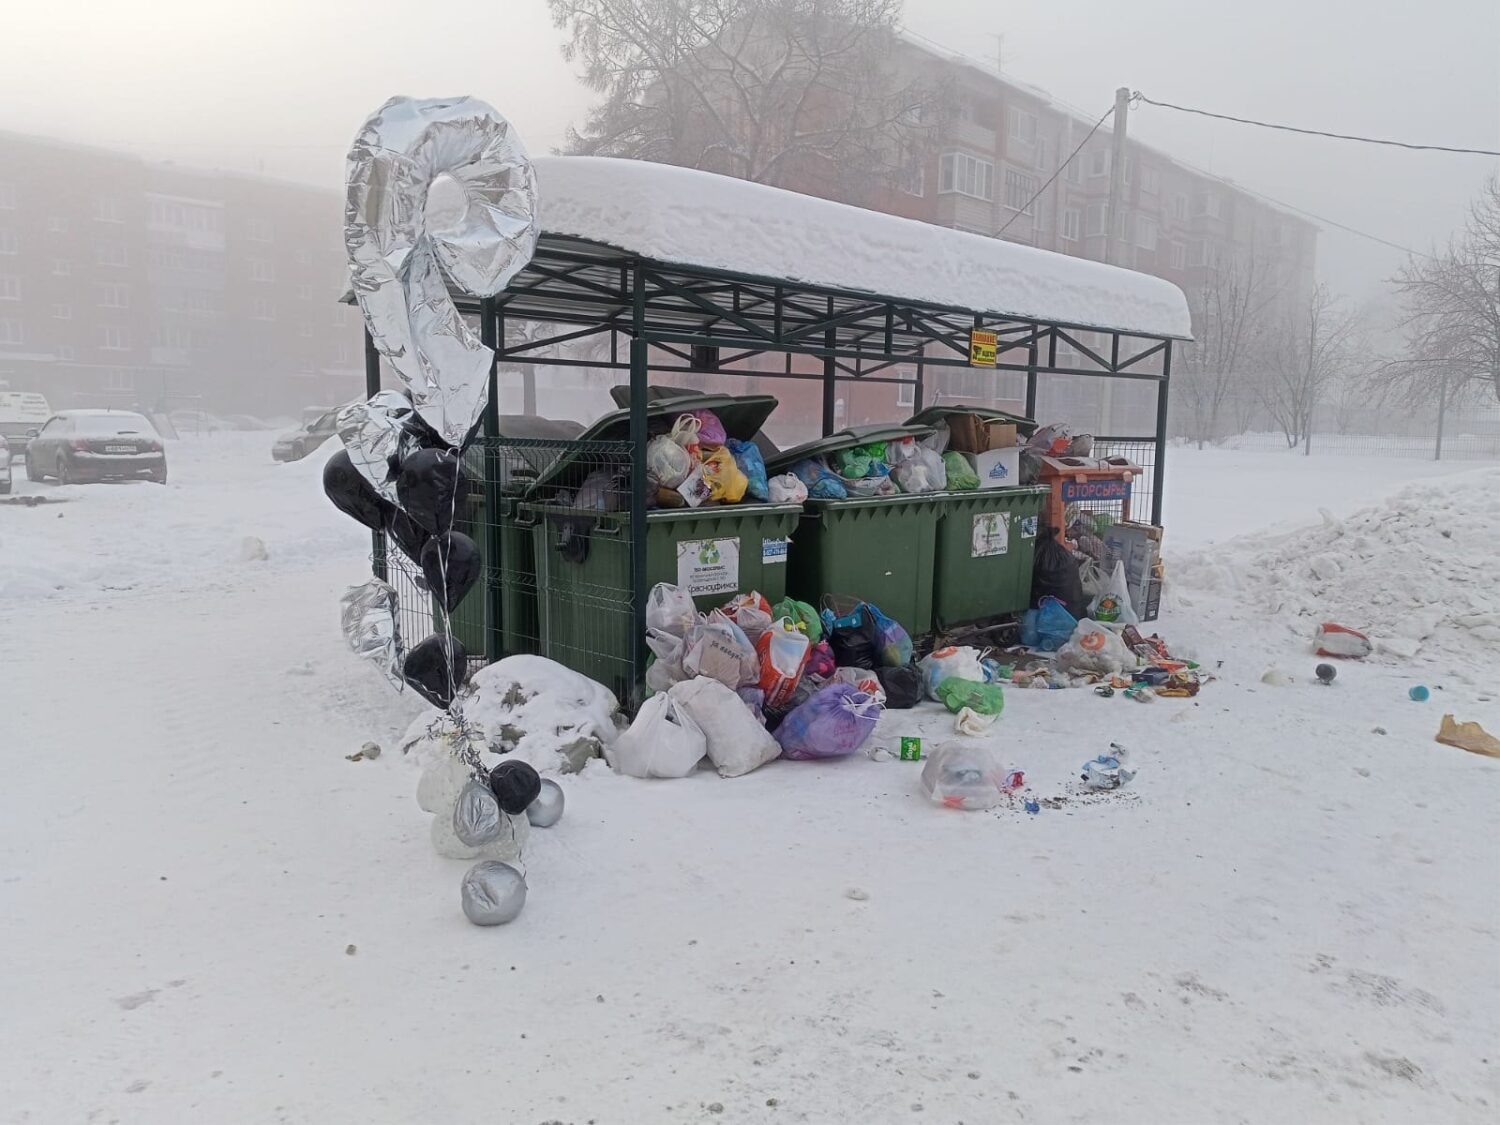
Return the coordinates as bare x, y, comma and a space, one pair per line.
699, 219
1416, 572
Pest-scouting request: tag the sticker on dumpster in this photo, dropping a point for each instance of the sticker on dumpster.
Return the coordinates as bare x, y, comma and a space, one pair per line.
709, 566
1074, 491
773, 551
1028, 527
991, 535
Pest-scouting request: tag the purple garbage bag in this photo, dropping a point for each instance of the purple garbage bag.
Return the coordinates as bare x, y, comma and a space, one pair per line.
836, 721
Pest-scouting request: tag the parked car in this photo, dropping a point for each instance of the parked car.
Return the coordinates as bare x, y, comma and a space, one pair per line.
4, 467
20, 413
85, 445
319, 423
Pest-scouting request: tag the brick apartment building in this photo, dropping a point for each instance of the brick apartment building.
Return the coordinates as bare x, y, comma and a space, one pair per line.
150, 285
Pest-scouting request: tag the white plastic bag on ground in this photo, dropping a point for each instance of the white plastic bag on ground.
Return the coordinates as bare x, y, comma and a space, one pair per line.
737, 743
787, 489
666, 669
664, 741
962, 662
964, 775
1095, 648
670, 609
1112, 603
862, 678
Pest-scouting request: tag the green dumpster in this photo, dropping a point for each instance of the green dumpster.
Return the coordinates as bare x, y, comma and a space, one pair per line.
581, 557
878, 548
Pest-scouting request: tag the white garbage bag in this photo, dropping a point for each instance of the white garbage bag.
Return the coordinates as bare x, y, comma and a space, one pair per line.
670, 609
737, 743
664, 741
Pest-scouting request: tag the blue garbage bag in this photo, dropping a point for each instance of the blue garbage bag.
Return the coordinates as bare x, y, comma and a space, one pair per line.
753, 465
1054, 625
822, 483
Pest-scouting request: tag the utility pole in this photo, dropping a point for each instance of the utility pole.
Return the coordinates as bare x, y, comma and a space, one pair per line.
1115, 233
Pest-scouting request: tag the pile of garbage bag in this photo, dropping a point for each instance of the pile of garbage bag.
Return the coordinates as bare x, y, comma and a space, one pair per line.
878, 468
695, 463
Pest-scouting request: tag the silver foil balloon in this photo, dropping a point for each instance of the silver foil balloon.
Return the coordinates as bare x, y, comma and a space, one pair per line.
476, 815
368, 613
547, 807
493, 893
397, 261
377, 438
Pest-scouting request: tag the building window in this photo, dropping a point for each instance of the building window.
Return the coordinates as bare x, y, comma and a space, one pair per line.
1099, 162
1098, 219
966, 175
261, 309
10, 287
1209, 204
1179, 255
171, 336
7, 195
62, 312
60, 267
260, 230
1022, 126
1073, 173
1198, 253
1019, 191
117, 380
57, 225
912, 179
10, 331
65, 352
1145, 232
107, 210
114, 297
906, 395
10, 242
1150, 181
1179, 206
114, 338
1129, 169
261, 270
112, 255
1071, 221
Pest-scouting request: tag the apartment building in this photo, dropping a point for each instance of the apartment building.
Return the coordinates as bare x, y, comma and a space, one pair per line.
137, 284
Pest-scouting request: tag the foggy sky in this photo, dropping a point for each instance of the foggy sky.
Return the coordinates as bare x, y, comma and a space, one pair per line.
280, 86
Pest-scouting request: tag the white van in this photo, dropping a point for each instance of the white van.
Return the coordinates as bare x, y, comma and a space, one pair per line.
20, 413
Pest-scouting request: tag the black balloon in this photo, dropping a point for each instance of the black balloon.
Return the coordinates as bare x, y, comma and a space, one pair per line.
353, 495
451, 564
408, 536
437, 668
430, 487
515, 785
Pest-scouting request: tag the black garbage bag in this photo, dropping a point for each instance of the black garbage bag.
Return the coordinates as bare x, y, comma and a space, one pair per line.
902, 686
1054, 573
856, 645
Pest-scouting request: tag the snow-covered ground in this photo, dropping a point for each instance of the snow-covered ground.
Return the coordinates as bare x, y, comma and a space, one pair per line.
208, 914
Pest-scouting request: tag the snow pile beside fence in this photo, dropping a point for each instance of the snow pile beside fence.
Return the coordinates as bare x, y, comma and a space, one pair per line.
1416, 572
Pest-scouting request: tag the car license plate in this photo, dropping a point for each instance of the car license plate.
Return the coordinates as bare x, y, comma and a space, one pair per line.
119, 449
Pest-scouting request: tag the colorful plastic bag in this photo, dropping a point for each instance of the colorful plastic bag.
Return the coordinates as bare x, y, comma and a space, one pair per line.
948, 663
1112, 604
802, 615
787, 489
961, 474
710, 429
783, 650
753, 465
726, 483
895, 642
834, 723
821, 482
1093, 648
1054, 625
866, 460
861, 679
956, 694
820, 661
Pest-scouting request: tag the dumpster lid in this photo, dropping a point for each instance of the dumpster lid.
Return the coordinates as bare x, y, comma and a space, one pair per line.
655, 392
932, 415
520, 464
742, 416
845, 439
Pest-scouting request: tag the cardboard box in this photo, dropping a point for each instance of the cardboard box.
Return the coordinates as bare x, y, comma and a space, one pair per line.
969, 433
998, 468
1138, 546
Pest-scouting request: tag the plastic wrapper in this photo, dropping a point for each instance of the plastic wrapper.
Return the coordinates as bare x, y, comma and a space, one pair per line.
1109, 771
802, 615
964, 775
667, 463
400, 270
958, 694
726, 484
748, 457
737, 743
783, 650
379, 434
961, 474
670, 608
961, 662
922, 472
821, 482
492, 893
663, 741
787, 489
718, 648
835, 722
368, 615
476, 815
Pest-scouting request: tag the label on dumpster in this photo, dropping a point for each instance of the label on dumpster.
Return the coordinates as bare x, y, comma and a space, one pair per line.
773, 551
990, 535
709, 566
1074, 491
911, 748
1028, 527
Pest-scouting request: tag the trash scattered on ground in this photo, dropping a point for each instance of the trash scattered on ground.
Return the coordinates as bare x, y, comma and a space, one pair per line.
1419, 694
1339, 640
1468, 736
964, 775
973, 723
1109, 771
1325, 673
1276, 678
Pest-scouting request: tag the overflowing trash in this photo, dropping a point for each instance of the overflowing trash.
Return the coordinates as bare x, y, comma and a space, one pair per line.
1109, 771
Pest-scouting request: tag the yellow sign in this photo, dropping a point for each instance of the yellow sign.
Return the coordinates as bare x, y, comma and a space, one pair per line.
981, 348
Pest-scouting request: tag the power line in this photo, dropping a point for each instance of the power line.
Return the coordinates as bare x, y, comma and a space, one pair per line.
1058, 172
1136, 95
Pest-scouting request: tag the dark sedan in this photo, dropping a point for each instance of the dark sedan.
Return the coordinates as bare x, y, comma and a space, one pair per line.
87, 445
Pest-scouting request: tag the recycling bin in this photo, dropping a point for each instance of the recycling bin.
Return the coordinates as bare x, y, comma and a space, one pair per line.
985, 546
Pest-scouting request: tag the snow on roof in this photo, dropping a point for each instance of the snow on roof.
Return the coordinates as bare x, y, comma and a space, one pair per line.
693, 218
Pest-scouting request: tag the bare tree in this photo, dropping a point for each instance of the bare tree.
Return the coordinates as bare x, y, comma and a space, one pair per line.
1452, 319
1229, 328
1313, 350
777, 91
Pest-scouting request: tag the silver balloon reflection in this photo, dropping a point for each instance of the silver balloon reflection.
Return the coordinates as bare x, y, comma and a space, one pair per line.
376, 436
476, 815
493, 893
368, 613
546, 808
397, 260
